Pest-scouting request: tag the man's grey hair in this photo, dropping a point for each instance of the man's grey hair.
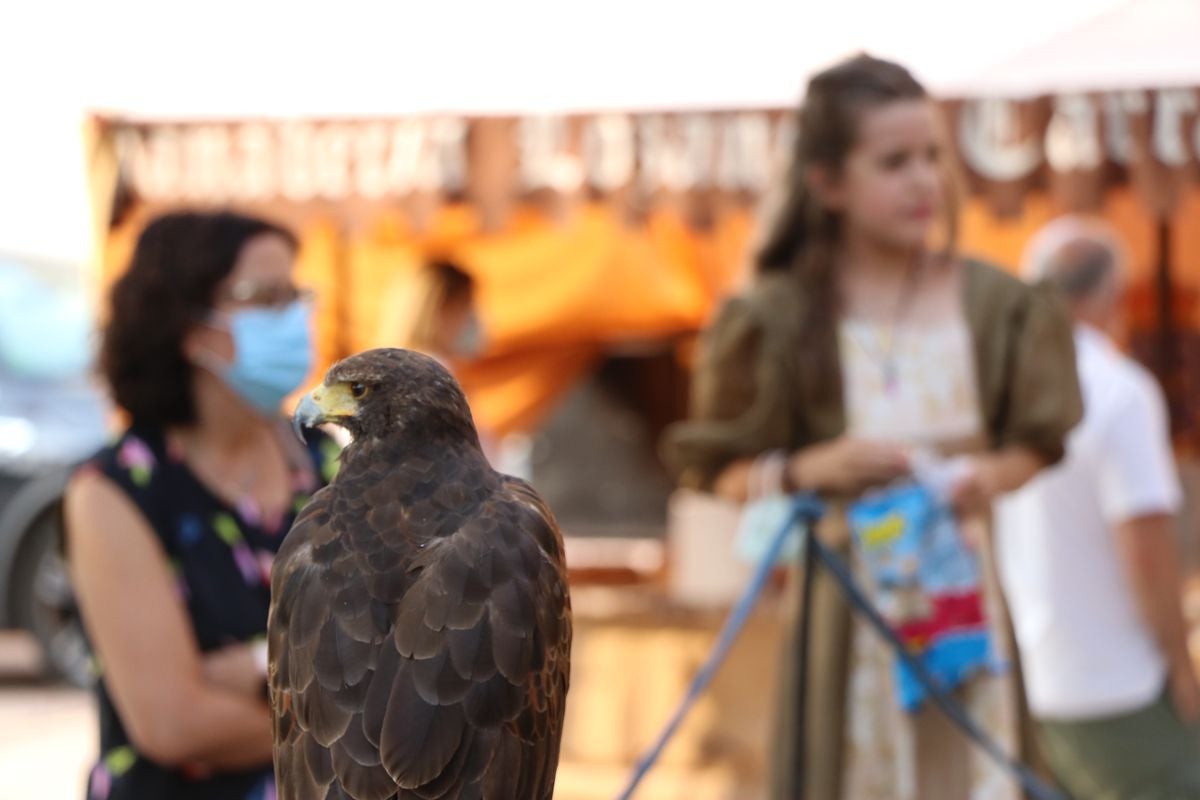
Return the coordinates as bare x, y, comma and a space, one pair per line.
1078, 255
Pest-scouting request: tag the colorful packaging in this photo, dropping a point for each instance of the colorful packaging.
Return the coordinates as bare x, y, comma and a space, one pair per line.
926, 582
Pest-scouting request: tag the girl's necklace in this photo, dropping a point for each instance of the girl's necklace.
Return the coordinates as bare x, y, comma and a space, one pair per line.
885, 357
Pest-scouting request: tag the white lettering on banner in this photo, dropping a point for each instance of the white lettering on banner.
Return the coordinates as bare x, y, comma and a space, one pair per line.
297, 180
698, 137
1118, 107
608, 151
331, 145
370, 142
1073, 135
566, 174
449, 140
204, 149
405, 157
130, 148
297, 160
661, 165
422, 155
744, 163
993, 143
1171, 106
165, 162
258, 157
153, 162
303, 160
541, 140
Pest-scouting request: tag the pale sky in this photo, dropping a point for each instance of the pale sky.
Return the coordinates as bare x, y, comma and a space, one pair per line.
228, 59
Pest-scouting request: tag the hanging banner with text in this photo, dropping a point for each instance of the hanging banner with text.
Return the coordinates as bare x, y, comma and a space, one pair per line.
1074, 145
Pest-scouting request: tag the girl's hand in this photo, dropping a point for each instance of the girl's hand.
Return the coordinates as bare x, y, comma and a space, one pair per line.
975, 488
847, 464
988, 476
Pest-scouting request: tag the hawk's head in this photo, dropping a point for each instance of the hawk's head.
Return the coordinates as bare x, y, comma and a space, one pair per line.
388, 393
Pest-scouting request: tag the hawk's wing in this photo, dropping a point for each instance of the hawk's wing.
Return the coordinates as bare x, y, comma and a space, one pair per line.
438, 672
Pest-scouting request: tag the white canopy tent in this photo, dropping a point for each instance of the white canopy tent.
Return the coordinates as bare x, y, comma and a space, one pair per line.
1140, 44
531, 56
141, 59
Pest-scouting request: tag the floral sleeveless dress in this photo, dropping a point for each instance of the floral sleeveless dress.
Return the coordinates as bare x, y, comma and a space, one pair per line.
221, 557
930, 403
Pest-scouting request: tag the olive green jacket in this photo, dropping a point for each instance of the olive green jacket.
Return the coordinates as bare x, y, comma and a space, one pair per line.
755, 388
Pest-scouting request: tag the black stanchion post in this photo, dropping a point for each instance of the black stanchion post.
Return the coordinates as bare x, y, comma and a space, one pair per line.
808, 563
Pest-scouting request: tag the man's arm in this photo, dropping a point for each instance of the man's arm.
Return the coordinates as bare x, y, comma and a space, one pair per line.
1147, 548
1139, 493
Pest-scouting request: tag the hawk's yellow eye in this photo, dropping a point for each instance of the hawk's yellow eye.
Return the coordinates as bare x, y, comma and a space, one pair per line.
358, 390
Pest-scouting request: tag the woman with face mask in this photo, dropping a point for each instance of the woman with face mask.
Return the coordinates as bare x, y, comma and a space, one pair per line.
171, 529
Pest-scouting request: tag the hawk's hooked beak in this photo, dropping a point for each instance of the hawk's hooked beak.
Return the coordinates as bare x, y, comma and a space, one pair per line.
324, 404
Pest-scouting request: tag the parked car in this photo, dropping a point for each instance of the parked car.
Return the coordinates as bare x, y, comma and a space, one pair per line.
52, 416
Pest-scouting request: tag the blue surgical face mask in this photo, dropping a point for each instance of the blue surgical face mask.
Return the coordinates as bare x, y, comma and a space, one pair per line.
273, 353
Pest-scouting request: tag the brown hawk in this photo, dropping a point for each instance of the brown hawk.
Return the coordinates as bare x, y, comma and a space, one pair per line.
420, 627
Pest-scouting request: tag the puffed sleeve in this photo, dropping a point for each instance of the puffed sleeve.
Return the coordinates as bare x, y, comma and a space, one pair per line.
738, 407
1044, 401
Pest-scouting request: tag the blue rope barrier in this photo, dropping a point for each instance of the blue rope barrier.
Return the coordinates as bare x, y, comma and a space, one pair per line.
807, 508
1031, 783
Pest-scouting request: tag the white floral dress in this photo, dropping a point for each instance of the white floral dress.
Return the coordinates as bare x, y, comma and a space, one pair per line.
918, 388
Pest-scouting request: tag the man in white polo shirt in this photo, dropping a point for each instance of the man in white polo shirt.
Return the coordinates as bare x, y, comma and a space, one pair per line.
1089, 564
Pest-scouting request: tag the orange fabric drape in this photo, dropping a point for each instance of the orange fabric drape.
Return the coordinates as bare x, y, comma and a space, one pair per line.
1002, 241
386, 253
551, 296
515, 392
318, 267
589, 280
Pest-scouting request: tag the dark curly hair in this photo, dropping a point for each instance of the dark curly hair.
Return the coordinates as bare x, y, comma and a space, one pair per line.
180, 260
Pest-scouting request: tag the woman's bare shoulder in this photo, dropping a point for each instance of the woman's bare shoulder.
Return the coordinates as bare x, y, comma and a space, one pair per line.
98, 511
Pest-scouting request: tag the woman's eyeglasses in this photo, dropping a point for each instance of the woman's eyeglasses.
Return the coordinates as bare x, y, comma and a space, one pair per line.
266, 295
